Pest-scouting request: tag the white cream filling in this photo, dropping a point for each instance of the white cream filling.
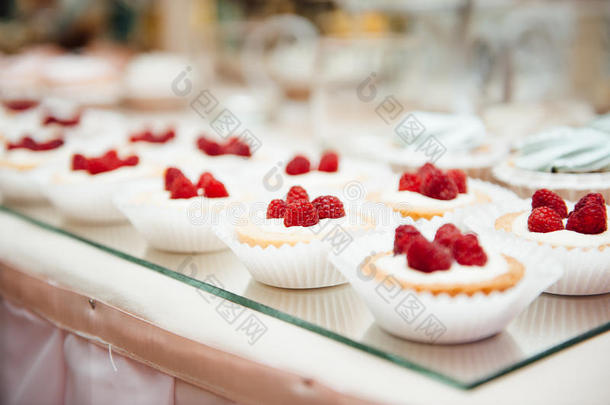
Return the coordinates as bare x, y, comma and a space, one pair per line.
458, 274
559, 238
25, 157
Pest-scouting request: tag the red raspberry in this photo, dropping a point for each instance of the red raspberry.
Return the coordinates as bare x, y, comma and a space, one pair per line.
546, 198
459, 178
64, 122
296, 193
543, 220
236, 147
596, 198
171, 173
409, 182
468, 252
20, 105
427, 256
328, 206
149, 136
427, 169
446, 235
438, 185
79, 162
590, 219
99, 165
300, 213
298, 165
329, 162
215, 189
403, 237
182, 188
132, 160
276, 208
209, 147
204, 179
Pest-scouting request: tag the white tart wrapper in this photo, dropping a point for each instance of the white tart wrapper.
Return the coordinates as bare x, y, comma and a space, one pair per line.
20, 186
183, 227
586, 270
440, 319
570, 186
304, 264
91, 201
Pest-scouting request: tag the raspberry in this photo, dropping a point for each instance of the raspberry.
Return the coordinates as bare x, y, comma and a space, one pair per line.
20, 105
236, 147
459, 178
276, 208
543, 220
215, 189
596, 198
409, 182
329, 162
589, 219
64, 122
468, 252
298, 165
300, 213
427, 169
99, 165
209, 147
328, 206
204, 179
132, 160
427, 256
296, 193
546, 198
149, 136
438, 185
79, 162
171, 173
182, 188
446, 235
29, 143
403, 237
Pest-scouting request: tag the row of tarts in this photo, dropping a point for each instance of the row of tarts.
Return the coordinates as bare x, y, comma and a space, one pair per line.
467, 253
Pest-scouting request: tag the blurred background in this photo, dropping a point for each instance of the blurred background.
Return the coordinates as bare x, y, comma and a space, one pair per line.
520, 65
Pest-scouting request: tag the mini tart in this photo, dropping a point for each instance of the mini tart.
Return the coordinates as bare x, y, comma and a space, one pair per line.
427, 207
507, 221
272, 232
508, 279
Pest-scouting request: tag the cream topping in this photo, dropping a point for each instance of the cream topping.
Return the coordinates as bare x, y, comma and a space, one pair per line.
397, 267
414, 200
559, 238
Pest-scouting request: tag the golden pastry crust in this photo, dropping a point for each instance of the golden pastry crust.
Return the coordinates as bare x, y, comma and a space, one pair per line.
17, 166
501, 282
505, 223
480, 198
253, 236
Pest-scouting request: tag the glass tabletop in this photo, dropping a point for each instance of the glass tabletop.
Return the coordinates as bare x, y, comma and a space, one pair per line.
549, 324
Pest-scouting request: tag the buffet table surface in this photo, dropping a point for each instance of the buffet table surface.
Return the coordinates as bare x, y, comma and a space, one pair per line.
163, 323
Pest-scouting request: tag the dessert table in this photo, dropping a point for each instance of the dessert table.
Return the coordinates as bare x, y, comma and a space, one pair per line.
169, 317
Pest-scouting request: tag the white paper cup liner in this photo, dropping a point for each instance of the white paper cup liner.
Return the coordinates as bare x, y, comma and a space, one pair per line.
428, 318
303, 265
171, 228
20, 186
570, 186
586, 270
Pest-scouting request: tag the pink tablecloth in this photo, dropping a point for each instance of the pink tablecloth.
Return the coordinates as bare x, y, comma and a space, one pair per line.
41, 364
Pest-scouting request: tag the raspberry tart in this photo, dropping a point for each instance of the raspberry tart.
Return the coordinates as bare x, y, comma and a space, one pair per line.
286, 242
575, 234
431, 282
83, 190
177, 214
23, 159
430, 192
